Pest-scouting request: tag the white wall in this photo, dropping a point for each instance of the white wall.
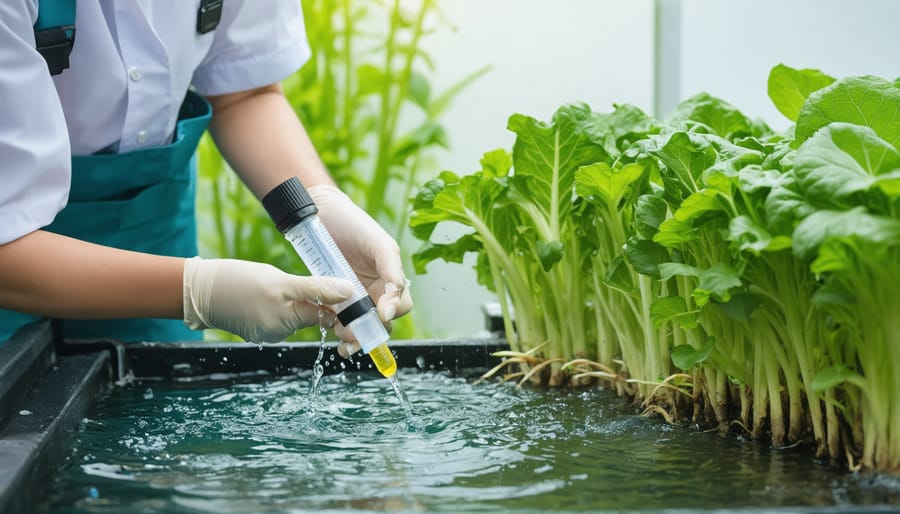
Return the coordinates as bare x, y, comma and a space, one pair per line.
544, 53
728, 47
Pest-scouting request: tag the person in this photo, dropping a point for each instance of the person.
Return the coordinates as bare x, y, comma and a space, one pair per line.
97, 176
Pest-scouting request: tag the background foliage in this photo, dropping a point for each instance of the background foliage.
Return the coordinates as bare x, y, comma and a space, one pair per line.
367, 103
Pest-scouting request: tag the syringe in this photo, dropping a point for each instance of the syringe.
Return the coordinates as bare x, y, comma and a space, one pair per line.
295, 214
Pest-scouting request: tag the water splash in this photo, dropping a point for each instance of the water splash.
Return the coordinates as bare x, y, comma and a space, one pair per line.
318, 369
404, 401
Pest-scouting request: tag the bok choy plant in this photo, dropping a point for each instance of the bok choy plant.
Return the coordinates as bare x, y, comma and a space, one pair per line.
705, 265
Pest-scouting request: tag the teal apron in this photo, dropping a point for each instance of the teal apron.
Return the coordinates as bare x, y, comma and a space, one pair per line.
141, 201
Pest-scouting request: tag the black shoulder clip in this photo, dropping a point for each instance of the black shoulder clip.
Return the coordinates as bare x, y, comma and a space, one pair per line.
54, 33
55, 44
208, 15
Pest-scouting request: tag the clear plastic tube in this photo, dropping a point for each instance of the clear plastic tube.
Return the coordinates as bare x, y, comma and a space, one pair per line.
320, 253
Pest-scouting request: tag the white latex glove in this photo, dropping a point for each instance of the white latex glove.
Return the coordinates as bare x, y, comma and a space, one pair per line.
371, 252
257, 301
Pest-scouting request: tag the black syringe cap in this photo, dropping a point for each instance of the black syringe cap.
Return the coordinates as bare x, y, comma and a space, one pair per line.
288, 204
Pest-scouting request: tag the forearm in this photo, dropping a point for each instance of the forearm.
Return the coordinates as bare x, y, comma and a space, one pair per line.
261, 138
52, 275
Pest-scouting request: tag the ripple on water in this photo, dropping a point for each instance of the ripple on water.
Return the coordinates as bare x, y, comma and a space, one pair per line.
273, 447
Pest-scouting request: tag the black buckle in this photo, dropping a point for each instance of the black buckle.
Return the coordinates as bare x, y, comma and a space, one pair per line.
208, 15
55, 44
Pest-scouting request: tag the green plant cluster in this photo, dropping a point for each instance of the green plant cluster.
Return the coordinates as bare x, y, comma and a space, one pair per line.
718, 271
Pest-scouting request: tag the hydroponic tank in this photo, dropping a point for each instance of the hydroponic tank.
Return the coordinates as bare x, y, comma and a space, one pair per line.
295, 214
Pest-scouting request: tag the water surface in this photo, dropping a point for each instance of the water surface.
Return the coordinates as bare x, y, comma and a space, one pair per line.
271, 447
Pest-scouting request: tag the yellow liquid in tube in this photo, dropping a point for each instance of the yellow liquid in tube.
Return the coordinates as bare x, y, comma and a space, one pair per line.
384, 360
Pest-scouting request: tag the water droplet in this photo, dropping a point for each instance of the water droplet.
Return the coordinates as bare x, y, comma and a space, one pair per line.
24, 412
93, 493
224, 359
318, 370
259, 346
420, 362
148, 394
331, 357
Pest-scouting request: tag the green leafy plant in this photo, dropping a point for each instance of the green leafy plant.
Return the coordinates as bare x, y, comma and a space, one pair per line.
367, 71
724, 273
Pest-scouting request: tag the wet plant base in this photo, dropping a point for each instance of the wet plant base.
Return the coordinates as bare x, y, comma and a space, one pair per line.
271, 447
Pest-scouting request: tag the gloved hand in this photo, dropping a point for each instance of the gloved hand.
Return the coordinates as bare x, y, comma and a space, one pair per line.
371, 252
257, 301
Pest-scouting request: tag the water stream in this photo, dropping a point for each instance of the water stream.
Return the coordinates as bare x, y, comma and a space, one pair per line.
268, 447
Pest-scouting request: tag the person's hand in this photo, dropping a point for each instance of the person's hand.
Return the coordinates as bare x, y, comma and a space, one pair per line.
257, 301
371, 252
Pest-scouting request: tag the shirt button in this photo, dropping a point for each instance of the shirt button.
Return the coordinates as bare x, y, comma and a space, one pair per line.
141, 137
135, 74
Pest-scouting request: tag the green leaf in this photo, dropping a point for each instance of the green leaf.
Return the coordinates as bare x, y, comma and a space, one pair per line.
618, 276
832, 377
789, 88
674, 232
754, 178
686, 157
451, 252
370, 79
649, 213
419, 89
645, 256
821, 226
668, 270
549, 155
425, 196
700, 205
720, 116
740, 307
833, 294
549, 253
843, 159
673, 308
685, 357
601, 182
624, 122
496, 163
868, 101
751, 237
785, 206
716, 282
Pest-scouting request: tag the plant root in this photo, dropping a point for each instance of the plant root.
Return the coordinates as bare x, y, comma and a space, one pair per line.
656, 409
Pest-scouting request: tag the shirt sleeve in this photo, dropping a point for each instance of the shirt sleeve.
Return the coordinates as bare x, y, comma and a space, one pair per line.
257, 43
35, 161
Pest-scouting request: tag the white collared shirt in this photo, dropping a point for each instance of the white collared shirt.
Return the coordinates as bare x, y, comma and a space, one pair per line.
131, 66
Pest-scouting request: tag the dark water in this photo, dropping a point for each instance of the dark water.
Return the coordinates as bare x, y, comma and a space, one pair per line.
269, 447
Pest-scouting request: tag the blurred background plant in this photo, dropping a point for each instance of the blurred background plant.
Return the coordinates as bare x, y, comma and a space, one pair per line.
366, 100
